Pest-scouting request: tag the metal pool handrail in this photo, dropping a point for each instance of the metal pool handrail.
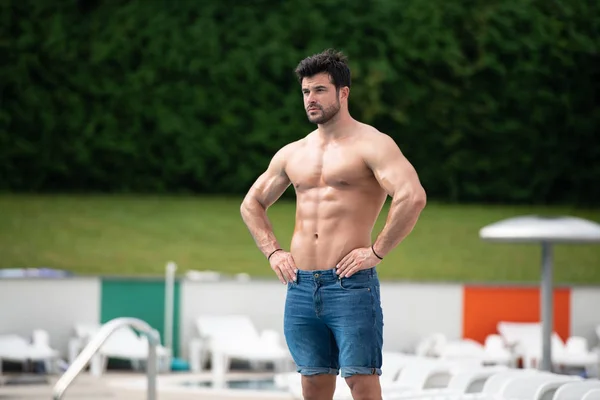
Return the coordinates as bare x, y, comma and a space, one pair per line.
94, 345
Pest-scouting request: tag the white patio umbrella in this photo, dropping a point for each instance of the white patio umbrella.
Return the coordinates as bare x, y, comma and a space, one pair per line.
545, 231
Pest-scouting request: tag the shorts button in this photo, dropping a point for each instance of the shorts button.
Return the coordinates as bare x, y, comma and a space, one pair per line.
316, 275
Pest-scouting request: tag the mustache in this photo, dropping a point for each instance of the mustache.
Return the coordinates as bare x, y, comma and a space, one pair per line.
314, 106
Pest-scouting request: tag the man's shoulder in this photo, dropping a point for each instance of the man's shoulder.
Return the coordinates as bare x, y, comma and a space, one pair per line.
370, 134
290, 148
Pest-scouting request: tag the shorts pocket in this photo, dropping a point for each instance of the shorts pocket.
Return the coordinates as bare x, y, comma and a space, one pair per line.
356, 282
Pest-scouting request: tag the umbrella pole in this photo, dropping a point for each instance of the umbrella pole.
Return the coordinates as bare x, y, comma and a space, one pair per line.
546, 307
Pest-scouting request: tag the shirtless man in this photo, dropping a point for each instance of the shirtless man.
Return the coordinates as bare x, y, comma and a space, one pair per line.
342, 173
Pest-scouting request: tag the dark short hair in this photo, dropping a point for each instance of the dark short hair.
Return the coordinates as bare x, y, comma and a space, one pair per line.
334, 62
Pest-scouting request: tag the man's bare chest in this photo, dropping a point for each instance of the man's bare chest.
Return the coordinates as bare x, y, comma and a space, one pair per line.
337, 168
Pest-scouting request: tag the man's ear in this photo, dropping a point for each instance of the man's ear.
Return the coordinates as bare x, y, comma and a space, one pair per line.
344, 93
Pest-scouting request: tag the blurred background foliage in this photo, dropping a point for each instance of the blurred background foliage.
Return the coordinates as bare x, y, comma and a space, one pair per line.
492, 101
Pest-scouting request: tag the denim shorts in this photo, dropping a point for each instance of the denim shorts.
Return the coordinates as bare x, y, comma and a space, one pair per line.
333, 324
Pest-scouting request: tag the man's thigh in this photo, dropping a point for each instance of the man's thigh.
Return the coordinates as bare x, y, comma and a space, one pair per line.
311, 343
355, 317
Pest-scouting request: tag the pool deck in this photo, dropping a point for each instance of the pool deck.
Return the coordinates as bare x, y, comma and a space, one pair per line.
127, 386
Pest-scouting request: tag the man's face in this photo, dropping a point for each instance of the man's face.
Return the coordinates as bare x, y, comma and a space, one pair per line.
321, 99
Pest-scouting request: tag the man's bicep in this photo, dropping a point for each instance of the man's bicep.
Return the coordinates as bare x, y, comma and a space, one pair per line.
392, 169
270, 185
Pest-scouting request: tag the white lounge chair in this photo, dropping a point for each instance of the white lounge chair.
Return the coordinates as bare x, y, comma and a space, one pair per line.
536, 387
496, 383
229, 337
593, 394
472, 381
423, 376
499, 386
431, 345
576, 390
526, 339
492, 352
462, 381
410, 376
394, 362
575, 353
496, 352
19, 349
125, 344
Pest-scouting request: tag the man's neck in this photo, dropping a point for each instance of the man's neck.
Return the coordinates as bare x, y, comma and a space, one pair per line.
337, 127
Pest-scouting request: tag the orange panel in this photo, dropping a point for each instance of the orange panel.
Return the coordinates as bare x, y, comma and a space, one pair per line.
484, 307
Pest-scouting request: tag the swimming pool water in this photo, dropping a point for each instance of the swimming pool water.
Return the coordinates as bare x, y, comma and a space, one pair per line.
267, 384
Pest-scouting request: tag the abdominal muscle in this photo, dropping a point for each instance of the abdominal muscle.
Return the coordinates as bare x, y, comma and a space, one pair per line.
330, 223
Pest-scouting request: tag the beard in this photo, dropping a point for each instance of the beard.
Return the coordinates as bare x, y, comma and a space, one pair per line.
323, 115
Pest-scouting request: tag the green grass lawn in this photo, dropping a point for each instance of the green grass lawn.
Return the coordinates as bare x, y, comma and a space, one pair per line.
137, 235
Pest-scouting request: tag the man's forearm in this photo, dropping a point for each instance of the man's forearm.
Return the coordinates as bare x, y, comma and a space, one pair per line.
402, 218
255, 218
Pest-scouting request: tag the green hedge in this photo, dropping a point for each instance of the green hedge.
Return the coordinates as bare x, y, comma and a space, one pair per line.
490, 100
